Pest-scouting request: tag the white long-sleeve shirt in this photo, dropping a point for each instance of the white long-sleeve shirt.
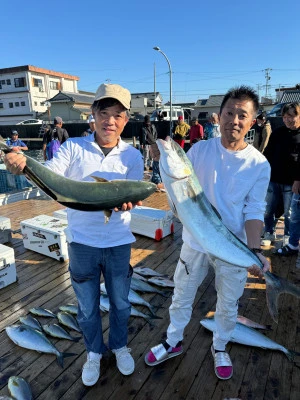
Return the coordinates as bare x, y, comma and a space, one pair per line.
235, 183
80, 158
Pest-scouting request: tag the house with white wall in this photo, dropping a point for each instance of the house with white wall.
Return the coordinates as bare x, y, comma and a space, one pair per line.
24, 90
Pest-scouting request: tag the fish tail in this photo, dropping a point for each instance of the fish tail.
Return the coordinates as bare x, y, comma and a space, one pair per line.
292, 354
75, 339
61, 356
275, 286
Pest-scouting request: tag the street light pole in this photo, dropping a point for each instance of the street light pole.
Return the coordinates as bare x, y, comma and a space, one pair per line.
170, 71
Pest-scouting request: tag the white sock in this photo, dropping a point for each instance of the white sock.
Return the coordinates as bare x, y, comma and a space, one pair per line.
95, 356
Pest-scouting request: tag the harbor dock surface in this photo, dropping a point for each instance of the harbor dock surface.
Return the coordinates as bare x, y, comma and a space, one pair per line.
259, 374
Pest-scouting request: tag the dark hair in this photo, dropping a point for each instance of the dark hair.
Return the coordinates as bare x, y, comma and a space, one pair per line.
147, 118
261, 116
241, 93
295, 106
102, 104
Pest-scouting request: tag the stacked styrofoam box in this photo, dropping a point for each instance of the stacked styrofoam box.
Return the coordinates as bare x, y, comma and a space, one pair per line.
8, 272
45, 235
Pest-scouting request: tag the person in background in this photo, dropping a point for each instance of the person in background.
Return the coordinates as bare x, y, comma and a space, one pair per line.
196, 131
96, 247
91, 129
54, 138
212, 128
283, 154
234, 176
181, 131
262, 133
148, 136
15, 142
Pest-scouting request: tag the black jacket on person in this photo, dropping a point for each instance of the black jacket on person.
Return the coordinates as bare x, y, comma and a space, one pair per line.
148, 134
56, 133
283, 154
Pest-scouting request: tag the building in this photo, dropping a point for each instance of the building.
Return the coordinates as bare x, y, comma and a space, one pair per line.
24, 90
71, 107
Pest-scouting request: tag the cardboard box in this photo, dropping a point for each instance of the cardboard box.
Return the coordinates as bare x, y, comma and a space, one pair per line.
152, 222
62, 214
45, 235
8, 272
5, 230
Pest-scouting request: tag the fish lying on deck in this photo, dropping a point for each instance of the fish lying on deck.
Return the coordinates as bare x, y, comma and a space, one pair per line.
144, 271
243, 334
58, 332
100, 195
133, 298
105, 306
42, 312
32, 339
68, 320
31, 321
19, 388
199, 217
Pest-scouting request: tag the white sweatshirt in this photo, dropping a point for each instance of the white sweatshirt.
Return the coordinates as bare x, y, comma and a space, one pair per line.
235, 183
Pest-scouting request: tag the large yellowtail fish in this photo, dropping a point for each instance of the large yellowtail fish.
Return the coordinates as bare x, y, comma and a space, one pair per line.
200, 218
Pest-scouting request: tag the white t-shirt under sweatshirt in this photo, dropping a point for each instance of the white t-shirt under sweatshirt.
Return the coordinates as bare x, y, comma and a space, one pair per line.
235, 183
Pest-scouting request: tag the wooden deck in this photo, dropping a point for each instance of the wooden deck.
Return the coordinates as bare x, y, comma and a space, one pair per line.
42, 281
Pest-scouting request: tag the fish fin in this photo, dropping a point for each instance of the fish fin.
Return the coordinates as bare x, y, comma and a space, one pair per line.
61, 356
75, 339
107, 215
172, 206
98, 179
216, 211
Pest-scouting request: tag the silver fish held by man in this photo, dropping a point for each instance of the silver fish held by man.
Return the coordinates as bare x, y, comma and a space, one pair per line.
32, 339
97, 195
243, 334
19, 388
200, 218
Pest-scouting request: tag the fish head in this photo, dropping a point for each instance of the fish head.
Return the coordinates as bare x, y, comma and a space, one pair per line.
173, 161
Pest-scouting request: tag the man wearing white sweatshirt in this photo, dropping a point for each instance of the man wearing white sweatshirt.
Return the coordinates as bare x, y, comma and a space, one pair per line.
234, 177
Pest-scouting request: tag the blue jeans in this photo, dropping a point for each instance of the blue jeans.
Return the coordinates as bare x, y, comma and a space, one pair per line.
156, 178
295, 221
276, 193
86, 265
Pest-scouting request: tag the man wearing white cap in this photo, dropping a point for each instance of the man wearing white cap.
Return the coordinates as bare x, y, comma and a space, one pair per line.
91, 129
97, 247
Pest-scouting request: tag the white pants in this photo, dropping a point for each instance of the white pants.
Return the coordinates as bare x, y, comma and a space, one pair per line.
190, 272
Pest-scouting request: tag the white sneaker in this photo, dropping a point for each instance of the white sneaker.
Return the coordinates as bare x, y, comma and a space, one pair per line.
125, 362
90, 371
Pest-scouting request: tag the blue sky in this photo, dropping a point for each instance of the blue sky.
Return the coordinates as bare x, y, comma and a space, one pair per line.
211, 45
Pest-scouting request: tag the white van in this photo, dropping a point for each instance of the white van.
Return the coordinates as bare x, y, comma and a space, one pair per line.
165, 112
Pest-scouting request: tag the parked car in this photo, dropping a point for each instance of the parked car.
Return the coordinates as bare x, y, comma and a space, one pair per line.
276, 110
31, 122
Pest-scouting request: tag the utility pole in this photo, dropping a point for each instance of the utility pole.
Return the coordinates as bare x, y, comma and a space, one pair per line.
258, 90
267, 76
154, 88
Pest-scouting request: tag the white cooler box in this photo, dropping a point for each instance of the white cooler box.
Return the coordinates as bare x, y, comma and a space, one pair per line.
152, 222
62, 214
5, 230
45, 235
8, 272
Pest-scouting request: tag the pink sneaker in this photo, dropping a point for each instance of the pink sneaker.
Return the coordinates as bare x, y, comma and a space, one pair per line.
161, 353
223, 364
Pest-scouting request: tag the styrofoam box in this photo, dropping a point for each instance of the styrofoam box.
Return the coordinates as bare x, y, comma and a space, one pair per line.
152, 222
5, 230
8, 272
45, 235
62, 214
